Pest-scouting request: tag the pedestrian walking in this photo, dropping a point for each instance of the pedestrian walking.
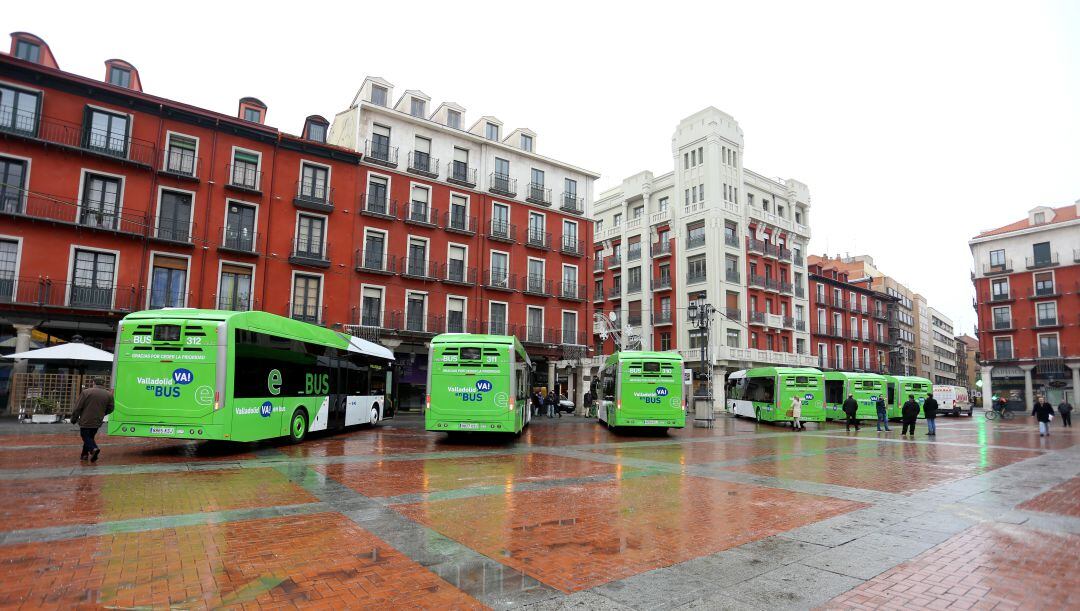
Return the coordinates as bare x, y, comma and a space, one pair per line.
550, 402
93, 404
537, 403
1044, 413
882, 413
908, 413
1065, 409
929, 409
851, 409
796, 413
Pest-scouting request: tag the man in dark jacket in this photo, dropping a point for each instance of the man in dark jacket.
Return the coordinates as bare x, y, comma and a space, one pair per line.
91, 407
1065, 409
851, 408
1043, 412
929, 408
908, 413
882, 413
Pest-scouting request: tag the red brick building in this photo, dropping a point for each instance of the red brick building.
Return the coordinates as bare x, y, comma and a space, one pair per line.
115, 200
848, 320
1027, 283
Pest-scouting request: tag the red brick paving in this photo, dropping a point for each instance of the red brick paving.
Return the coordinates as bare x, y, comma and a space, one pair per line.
156, 452
690, 453
974, 459
370, 443
322, 561
857, 472
989, 566
391, 478
91, 499
1063, 499
577, 537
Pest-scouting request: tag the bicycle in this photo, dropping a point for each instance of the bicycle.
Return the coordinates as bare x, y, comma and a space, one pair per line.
1004, 414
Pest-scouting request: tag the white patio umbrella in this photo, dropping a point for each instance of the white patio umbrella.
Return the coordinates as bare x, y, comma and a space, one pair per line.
74, 351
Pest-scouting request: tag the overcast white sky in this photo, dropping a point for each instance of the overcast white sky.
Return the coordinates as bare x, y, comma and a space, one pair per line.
915, 124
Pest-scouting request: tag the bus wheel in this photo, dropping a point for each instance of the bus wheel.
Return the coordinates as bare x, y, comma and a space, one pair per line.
298, 427
374, 415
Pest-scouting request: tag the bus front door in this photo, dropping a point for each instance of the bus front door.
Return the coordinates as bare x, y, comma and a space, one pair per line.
337, 399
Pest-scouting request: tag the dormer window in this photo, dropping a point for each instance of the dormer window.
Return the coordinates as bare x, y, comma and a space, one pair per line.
526, 143
491, 131
253, 115
378, 95
27, 50
317, 132
1038, 218
119, 77
417, 108
453, 119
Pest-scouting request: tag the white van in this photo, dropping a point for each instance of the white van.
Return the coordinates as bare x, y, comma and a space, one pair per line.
952, 399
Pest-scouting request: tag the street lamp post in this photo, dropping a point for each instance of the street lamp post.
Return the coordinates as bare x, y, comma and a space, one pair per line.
701, 315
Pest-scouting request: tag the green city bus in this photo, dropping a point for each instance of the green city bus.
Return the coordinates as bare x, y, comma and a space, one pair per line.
765, 393
639, 388
477, 383
864, 387
243, 376
899, 388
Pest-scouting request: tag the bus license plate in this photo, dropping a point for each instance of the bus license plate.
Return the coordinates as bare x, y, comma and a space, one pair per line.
469, 425
161, 430
650, 422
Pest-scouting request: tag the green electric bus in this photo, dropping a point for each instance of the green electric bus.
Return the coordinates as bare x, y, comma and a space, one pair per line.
899, 388
765, 393
864, 387
639, 388
477, 383
243, 376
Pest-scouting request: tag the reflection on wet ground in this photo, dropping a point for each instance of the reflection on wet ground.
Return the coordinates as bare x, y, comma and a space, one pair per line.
394, 516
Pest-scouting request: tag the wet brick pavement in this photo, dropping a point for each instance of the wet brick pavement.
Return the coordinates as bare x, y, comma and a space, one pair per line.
570, 515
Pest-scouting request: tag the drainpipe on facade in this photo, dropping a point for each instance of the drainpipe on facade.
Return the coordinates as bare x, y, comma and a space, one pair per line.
206, 216
266, 240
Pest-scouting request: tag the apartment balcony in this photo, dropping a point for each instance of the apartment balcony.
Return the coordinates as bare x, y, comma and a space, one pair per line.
177, 164
422, 214
1002, 268
1042, 262
456, 272
756, 281
413, 323
731, 240
733, 314
1001, 297
502, 184
633, 288
881, 314
538, 238
419, 268
660, 249
459, 223
236, 303
369, 328
20, 203
311, 313
173, 231
572, 246
502, 232
309, 254
374, 261
750, 357
763, 248
598, 296
571, 291
381, 153
661, 283
1002, 325
598, 262
500, 280
659, 217
161, 298
459, 173
422, 164
239, 241
633, 252
538, 194
615, 292
784, 253
85, 295
1036, 322
798, 260
695, 241
311, 196
243, 177
634, 319
663, 317
1046, 291
732, 275
379, 206
695, 277
614, 261
853, 334
800, 292
572, 203
32, 125
800, 325
537, 285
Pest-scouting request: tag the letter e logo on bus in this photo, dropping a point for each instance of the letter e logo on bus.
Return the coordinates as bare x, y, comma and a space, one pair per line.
182, 376
483, 385
266, 409
273, 382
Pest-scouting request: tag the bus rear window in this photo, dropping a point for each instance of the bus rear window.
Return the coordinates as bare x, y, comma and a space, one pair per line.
802, 380
470, 354
651, 367
167, 333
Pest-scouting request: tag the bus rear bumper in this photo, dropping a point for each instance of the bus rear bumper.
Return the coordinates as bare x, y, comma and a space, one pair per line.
650, 422
167, 431
455, 425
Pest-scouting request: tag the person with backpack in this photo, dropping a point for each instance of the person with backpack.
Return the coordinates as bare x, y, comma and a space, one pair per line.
908, 414
851, 409
1065, 409
929, 408
1044, 413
